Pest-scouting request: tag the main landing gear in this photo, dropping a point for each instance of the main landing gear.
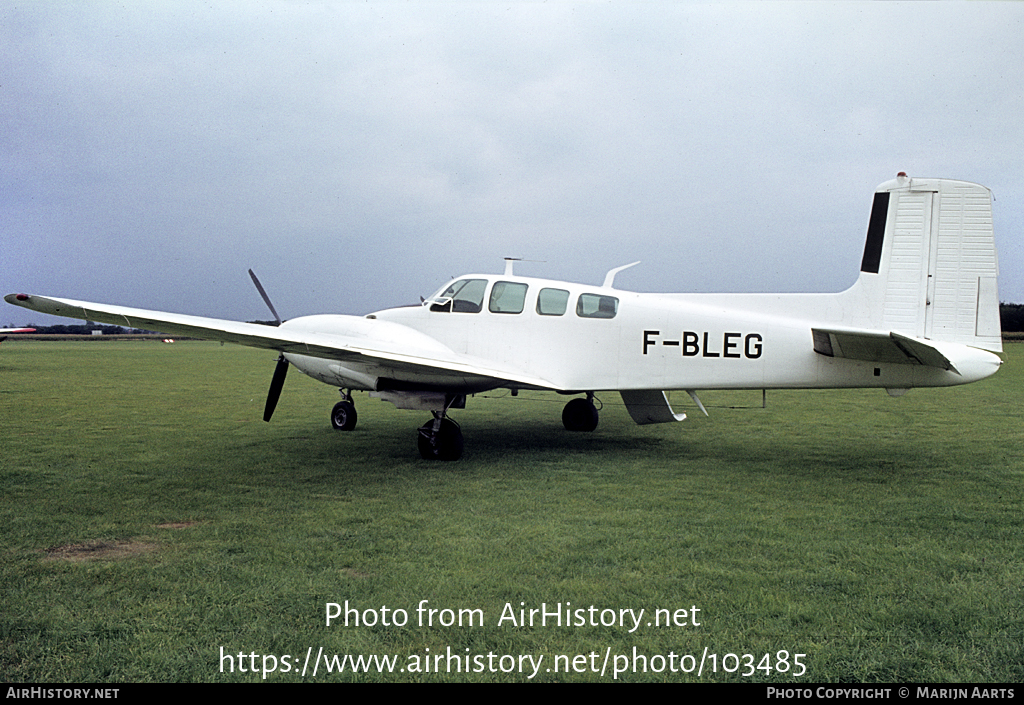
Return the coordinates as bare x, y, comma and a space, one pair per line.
580, 414
343, 415
440, 439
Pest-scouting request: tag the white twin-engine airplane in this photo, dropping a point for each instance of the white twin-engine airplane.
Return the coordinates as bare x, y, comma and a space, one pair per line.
923, 313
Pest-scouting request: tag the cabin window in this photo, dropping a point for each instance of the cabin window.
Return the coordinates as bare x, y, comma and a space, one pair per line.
552, 302
464, 296
597, 306
507, 297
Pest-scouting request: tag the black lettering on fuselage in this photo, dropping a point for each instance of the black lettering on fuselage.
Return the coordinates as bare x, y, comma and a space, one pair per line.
727, 346
647, 338
707, 348
694, 344
752, 351
690, 345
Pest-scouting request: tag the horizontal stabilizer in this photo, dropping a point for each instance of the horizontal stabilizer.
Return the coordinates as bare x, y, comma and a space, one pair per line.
876, 346
649, 406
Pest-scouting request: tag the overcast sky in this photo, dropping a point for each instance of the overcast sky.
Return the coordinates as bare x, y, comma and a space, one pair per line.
358, 155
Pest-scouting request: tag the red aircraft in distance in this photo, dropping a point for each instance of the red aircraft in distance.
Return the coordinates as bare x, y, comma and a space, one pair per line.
14, 330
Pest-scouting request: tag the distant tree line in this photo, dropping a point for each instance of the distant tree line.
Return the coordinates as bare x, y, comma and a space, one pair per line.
1011, 316
87, 329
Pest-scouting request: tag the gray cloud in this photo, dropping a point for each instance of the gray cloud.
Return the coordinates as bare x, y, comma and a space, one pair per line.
358, 155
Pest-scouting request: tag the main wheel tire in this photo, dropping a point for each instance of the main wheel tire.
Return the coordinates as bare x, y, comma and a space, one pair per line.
446, 444
579, 415
343, 416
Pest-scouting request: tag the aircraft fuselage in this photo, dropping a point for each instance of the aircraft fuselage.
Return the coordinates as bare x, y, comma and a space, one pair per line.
640, 341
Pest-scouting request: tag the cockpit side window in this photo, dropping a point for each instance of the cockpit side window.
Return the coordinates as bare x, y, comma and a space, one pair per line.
596, 306
552, 302
507, 297
463, 296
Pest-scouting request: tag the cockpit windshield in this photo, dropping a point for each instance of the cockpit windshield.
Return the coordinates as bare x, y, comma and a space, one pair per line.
462, 296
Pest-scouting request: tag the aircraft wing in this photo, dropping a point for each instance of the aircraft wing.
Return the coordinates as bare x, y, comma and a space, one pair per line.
342, 338
878, 346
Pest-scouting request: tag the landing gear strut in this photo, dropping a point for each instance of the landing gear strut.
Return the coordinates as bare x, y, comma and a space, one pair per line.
580, 414
440, 439
343, 415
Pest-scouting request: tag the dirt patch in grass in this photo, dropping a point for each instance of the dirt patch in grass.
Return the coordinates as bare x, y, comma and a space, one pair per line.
110, 550
99, 551
353, 573
176, 524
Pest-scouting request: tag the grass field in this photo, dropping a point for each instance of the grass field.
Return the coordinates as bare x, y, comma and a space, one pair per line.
153, 523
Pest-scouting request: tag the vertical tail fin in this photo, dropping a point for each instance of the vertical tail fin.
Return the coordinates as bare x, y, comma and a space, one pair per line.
929, 268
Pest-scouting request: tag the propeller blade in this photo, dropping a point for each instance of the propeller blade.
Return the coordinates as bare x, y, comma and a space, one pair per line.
266, 299
276, 384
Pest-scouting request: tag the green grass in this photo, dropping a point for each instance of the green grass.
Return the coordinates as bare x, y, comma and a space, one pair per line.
150, 518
